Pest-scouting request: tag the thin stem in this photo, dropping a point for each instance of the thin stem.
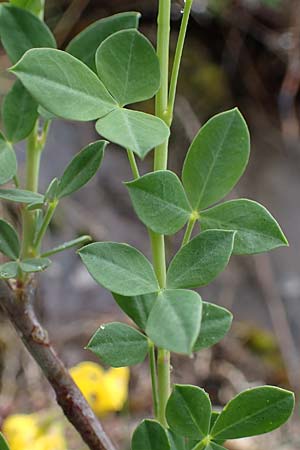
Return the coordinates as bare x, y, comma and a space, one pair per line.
189, 230
161, 100
177, 58
153, 372
133, 164
164, 382
67, 245
160, 163
47, 219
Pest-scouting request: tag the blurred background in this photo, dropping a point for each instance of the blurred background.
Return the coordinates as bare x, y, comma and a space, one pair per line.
243, 53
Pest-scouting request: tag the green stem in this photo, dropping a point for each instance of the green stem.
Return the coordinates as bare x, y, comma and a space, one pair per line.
164, 382
133, 164
161, 100
189, 230
47, 219
66, 245
160, 163
177, 58
153, 371
33, 158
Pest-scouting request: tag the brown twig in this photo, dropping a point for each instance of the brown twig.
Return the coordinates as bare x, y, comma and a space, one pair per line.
18, 304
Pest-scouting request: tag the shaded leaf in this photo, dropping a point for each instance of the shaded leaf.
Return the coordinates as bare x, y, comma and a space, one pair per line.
21, 30
19, 113
20, 196
34, 264
216, 159
84, 96
216, 322
128, 66
8, 161
189, 411
137, 307
34, 6
201, 260
134, 130
119, 345
160, 201
257, 230
9, 270
85, 44
150, 435
81, 169
174, 321
9, 240
253, 412
120, 268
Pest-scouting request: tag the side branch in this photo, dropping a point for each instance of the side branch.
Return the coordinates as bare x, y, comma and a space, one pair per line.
18, 304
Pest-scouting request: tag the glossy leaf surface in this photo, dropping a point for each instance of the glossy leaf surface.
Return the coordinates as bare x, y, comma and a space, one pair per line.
19, 113
174, 321
128, 66
216, 159
201, 260
137, 307
150, 435
215, 324
9, 240
120, 268
21, 30
63, 85
119, 345
9, 270
85, 44
253, 412
8, 161
189, 411
134, 130
34, 264
257, 230
81, 169
160, 201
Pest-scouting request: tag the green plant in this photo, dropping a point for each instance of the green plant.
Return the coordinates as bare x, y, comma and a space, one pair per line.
105, 68
3, 443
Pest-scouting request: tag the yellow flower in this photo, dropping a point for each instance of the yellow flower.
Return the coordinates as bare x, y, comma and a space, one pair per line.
105, 391
20, 431
53, 440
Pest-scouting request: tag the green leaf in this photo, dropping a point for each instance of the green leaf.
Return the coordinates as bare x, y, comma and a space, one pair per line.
253, 412
45, 114
21, 30
189, 411
174, 321
63, 85
150, 435
216, 322
35, 264
119, 345
160, 201
51, 192
86, 43
128, 66
257, 230
3, 443
8, 161
20, 196
19, 113
135, 130
9, 270
9, 240
214, 446
201, 260
177, 442
78, 242
120, 268
81, 169
34, 6
216, 159
137, 307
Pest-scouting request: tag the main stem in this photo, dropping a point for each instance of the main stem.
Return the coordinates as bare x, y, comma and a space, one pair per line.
160, 163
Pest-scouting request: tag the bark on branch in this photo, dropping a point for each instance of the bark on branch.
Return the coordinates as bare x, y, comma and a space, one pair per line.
18, 304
